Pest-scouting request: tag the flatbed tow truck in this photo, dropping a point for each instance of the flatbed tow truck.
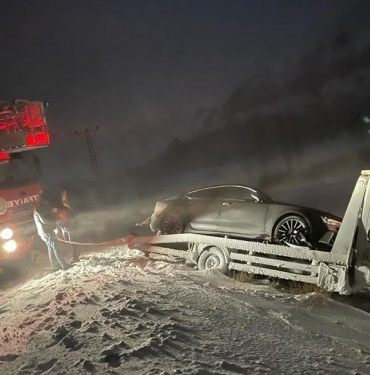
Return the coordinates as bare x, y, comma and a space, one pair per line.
345, 269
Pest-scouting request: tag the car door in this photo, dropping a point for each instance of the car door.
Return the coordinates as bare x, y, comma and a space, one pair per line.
242, 213
204, 209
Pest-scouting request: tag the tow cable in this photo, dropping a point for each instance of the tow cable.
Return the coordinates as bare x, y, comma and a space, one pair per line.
128, 239
131, 240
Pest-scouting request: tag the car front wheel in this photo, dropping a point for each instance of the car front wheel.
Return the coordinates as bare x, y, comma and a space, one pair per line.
292, 230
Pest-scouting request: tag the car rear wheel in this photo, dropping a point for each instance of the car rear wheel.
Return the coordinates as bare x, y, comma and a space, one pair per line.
172, 223
292, 230
212, 258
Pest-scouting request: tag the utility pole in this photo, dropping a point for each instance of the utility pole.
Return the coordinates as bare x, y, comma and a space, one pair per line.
89, 134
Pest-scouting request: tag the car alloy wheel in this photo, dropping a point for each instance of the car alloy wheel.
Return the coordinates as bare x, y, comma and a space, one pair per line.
292, 230
172, 223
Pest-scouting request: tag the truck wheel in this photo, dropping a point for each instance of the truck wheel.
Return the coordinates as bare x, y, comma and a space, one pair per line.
172, 223
212, 258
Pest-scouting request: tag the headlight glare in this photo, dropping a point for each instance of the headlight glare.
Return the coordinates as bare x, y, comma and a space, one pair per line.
330, 221
6, 234
10, 246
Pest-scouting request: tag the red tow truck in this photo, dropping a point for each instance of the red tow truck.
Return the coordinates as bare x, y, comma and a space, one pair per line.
23, 129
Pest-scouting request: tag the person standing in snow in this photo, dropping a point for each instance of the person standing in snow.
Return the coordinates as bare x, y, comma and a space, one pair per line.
65, 214
46, 219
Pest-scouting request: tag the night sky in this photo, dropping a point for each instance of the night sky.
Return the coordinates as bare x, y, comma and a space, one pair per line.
143, 71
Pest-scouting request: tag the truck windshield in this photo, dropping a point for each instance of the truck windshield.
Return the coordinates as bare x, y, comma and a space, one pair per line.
18, 171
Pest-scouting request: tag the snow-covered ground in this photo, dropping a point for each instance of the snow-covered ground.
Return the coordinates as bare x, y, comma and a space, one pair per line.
119, 312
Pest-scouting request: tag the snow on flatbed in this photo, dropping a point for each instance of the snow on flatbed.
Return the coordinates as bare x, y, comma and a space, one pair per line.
119, 312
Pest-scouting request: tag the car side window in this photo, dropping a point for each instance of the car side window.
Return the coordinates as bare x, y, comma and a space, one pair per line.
223, 192
208, 193
240, 193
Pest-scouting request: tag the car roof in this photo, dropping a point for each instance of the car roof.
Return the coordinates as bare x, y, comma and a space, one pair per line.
223, 186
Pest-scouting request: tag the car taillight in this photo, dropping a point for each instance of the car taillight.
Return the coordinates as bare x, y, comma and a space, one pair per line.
159, 208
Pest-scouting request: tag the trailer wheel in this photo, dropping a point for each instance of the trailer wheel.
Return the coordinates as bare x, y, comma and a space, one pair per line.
212, 258
292, 230
172, 223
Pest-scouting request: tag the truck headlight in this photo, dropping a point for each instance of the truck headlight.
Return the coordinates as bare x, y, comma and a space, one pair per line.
10, 246
331, 222
6, 234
